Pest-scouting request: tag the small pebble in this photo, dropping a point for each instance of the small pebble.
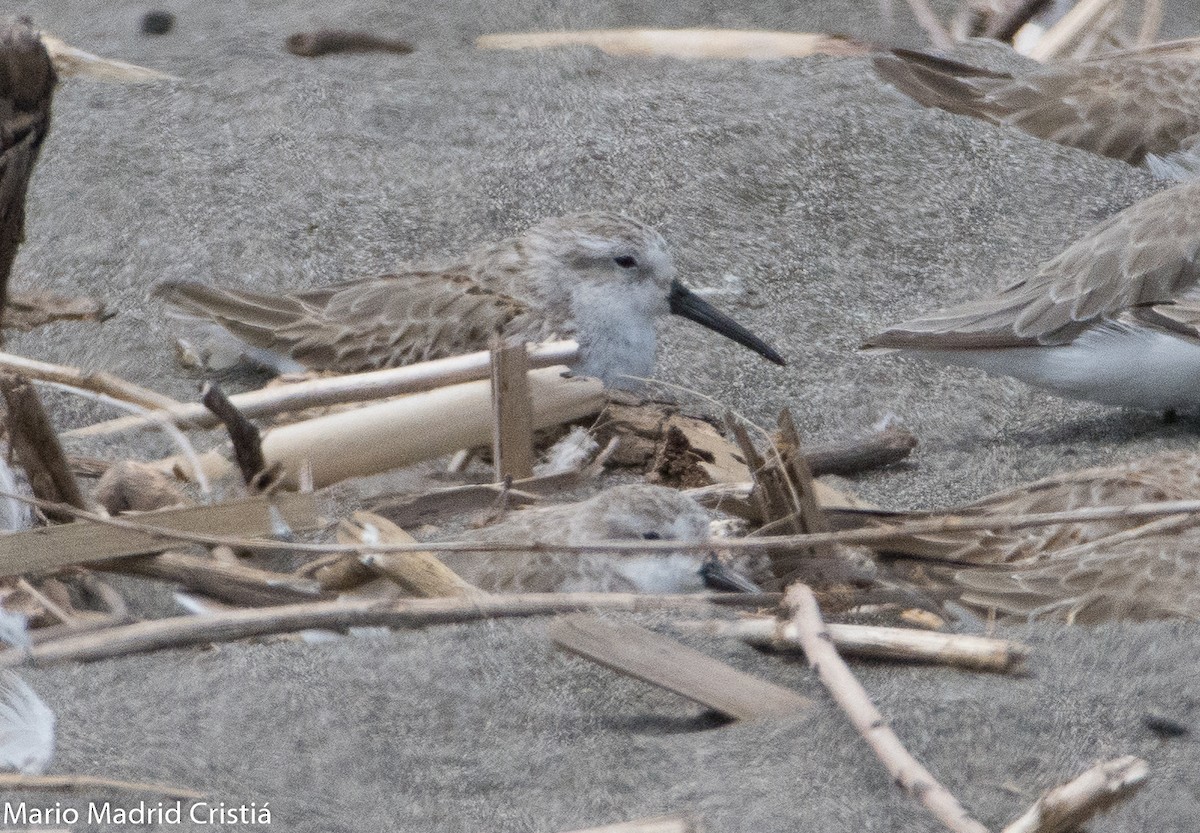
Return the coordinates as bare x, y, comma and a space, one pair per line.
157, 22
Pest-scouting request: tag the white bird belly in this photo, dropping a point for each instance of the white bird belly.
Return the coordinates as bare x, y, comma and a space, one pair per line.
1113, 364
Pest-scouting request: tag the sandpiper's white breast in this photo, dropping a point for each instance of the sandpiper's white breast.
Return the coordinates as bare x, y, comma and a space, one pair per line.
1113, 363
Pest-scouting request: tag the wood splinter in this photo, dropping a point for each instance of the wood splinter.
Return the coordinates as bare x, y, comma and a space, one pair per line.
1071, 805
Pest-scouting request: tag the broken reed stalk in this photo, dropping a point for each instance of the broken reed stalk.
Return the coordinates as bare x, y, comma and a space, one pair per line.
1071, 805
419, 573
93, 783
512, 412
37, 448
1004, 26
339, 390
27, 79
807, 627
878, 538
243, 434
1074, 23
387, 435
340, 614
976, 653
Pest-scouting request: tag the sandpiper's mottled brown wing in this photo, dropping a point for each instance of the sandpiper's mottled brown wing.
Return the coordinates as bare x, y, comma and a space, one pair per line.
1147, 255
1172, 476
1156, 577
26, 88
1123, 104
364, 325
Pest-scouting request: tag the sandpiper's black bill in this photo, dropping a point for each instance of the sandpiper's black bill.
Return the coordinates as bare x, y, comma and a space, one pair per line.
717, 575
688, 304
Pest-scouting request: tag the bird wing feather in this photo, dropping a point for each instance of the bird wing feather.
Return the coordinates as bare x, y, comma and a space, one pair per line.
364, 325
1147, 255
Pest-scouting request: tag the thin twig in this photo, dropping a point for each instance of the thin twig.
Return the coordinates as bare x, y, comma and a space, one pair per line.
37, 447
878, 537
1152, 14
180, 631
81, 783
807, 627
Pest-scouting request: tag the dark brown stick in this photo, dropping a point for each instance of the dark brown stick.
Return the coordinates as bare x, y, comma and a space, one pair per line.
37, 448
329, 41
244, 434
880, 449
27, 80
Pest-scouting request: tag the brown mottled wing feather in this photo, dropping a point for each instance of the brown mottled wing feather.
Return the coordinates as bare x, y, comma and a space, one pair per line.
1173, 476
363, 325
1152, 578
1149, 254
26, 89
1122, 105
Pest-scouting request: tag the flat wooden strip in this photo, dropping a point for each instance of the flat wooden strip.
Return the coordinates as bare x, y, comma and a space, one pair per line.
684, 43
636, 652
48, 548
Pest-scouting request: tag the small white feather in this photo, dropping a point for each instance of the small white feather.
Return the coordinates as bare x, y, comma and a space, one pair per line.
568, 454
26, 727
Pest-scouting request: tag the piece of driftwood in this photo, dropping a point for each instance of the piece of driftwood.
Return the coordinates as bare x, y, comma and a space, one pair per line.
977, 653
658, 824
244, 436
512, 412
332, 41
82, 542
644, 655
28, 310
338, 390
874, 451
27, 81
36, 445
339, 614
733, 44
418, 573
806, 627
93, 783
1070, 806
232, 583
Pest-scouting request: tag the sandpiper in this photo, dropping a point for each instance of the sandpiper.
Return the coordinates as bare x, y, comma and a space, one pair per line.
600, 278
1102, 570
627, 512
1121, 104
1115, 318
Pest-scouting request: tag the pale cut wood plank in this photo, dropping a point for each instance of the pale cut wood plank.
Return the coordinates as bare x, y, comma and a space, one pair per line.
512, 408
636, 652
658, 824
48, 548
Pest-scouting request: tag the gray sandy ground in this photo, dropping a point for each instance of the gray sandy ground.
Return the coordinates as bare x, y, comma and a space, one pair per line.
842, 207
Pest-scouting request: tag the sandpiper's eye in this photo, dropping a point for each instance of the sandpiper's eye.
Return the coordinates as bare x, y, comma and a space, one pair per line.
651, 536
626, 262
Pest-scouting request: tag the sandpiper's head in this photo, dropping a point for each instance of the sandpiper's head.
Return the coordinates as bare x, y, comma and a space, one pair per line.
614, 277
639, 511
